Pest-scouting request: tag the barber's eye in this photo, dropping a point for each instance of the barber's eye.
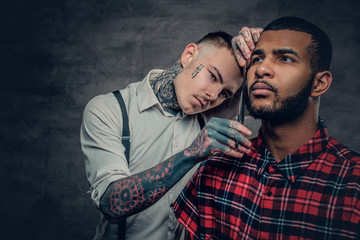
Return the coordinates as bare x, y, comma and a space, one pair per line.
225, 94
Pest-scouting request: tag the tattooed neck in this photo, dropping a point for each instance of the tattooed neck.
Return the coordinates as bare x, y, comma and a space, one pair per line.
164, 89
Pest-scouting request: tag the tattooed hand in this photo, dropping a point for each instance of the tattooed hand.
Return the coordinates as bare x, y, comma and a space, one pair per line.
244, 43
220, 135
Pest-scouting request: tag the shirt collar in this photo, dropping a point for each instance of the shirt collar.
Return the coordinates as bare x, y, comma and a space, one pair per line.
296, 163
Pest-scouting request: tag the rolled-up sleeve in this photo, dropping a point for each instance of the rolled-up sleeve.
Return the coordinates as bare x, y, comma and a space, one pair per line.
100, 137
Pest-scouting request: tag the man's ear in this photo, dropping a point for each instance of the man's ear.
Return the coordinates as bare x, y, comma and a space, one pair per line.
189, 54
321, 84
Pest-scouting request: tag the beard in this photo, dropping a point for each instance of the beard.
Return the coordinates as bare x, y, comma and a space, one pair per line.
288, 110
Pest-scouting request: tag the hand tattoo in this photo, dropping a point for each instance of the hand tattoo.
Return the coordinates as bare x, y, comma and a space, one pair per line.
199, 147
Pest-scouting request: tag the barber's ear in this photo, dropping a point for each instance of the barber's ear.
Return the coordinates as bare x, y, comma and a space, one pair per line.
321, 84
188, 54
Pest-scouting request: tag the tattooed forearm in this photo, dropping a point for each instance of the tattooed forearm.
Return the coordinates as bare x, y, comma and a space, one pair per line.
197, 70
133, 194
126, 195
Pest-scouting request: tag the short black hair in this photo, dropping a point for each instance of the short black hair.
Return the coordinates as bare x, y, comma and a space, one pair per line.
320, 48
219, 39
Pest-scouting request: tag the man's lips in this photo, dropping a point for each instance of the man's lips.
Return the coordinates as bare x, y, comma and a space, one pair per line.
261, 88
202, 103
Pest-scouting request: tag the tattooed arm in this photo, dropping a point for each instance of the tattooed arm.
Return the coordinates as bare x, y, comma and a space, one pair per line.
135, 193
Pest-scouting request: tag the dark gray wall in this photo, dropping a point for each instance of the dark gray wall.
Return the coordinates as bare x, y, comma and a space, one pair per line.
57, 55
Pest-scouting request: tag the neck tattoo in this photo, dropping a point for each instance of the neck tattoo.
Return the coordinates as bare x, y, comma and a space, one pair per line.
164, 89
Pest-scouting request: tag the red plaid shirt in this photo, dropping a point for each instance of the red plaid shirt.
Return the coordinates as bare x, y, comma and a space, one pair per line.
312, 194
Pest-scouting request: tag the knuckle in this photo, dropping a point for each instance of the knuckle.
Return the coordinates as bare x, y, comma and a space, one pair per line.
248, 40
242, 139
234, 124
210, 125
227, 150
210, 134
233, 133
244, 28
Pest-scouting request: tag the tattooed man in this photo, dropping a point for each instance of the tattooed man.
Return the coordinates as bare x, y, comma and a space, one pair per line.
297, 182
166, 139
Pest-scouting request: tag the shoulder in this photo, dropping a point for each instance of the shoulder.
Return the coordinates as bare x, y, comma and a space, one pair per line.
343, 152
107, 104
101, 100
341, 157
102, 106
219, 165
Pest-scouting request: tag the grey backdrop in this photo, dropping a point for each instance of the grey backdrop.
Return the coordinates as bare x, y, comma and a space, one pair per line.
57, 55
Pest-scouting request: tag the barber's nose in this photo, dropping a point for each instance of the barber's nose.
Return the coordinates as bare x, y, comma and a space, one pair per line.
264, 69
212, 93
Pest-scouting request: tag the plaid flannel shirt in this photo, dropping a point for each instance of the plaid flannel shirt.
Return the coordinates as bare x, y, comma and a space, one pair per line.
312, 194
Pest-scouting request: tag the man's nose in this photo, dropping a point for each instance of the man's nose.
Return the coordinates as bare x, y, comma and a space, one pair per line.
264, 68
213, 93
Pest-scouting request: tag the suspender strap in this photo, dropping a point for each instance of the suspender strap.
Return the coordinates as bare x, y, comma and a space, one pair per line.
126, 131
126, 142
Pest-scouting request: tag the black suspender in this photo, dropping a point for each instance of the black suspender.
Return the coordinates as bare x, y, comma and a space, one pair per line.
126, 142
126, 132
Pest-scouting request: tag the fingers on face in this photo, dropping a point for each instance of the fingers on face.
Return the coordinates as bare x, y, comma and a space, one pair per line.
255, 33
243, 44
248, 38
239, 57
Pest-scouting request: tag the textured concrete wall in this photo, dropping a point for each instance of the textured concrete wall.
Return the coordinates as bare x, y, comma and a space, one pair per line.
57, 55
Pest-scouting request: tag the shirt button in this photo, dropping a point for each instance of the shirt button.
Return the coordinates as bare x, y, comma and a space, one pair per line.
269, 193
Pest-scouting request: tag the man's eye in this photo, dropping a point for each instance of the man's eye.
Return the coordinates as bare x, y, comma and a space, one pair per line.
287, 59
213, 77
256, 59
225, 94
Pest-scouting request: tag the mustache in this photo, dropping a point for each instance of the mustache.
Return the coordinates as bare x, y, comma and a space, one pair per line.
272, 87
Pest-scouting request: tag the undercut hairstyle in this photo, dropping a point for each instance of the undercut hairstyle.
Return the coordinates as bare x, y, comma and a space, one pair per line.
217, 39
320, 47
